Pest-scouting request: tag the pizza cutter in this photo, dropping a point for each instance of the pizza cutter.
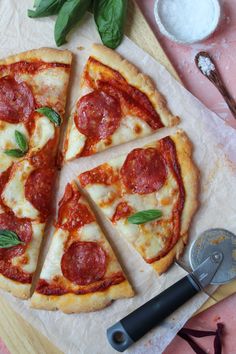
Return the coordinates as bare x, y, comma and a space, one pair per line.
213, 260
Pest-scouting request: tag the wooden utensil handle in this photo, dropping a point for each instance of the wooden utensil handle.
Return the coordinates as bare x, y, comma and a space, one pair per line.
216, 80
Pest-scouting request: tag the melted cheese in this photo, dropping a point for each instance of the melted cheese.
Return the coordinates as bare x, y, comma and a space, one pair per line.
50, 87
149, 238
102, 195
32, 251
5, 161
92, 232
44, 131
7, 134
8, 141
130, 128
76, 142
88, 233
52, 264
14, 192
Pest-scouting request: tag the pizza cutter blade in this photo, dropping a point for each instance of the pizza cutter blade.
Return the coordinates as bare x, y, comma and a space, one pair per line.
213, 260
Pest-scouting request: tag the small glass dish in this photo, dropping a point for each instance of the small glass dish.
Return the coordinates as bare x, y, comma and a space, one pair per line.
198, 22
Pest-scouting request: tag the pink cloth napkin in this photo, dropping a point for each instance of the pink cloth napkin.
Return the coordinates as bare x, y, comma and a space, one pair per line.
224, 312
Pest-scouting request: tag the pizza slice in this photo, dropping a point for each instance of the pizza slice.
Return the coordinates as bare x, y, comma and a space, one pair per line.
81, 272
150, 197
116, 104
33, 89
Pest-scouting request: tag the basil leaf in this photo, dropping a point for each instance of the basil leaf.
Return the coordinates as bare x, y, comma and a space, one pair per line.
21, 141
109, 16
70, 14
9, 239
144, 216
14, 153
45, 8
36, 3
52, 115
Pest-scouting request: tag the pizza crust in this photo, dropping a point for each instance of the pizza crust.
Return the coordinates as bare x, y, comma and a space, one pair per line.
190, 175
135, 78
16, 288
71, 303
45, 54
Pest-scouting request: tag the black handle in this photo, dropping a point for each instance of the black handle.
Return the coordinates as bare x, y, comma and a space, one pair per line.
134, 326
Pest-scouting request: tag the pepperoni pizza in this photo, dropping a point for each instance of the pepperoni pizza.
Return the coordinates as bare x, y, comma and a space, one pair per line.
81, 272
31, 83
158, 177
117, 104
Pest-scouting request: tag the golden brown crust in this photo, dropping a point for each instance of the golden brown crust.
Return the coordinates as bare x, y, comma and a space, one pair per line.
135, 78
190, 174
17, 289
44, 54
71, 303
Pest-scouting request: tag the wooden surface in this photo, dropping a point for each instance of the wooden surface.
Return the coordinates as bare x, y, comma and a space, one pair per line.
18, 335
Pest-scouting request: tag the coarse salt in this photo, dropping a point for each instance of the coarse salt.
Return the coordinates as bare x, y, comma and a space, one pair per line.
187, 21
205, 64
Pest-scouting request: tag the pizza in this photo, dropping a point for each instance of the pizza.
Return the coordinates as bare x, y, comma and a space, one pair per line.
149, 195
81, 272
116, 104
159, 179
33, 89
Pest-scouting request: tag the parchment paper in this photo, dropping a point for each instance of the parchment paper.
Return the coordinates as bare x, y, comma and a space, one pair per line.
214, 154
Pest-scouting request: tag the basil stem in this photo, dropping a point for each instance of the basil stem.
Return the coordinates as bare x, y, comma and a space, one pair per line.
70, 14
45, 8
144, 216
52, 115
109, 16
9, 239
21, 141
14, 153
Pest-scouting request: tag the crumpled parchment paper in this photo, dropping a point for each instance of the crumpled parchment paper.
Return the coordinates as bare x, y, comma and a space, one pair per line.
214, 152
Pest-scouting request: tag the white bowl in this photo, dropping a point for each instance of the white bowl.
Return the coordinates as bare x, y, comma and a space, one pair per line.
199, 20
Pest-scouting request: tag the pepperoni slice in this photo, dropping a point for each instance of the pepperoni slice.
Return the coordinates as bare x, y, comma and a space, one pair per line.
39, 188
98, 115
46, 156
143, 171
22, 228
16, 100
4, 177
72, 214
84, 263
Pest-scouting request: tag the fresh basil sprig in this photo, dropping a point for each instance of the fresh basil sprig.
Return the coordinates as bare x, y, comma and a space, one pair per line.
109, 16
9, 239
22, 143
52, 115
45, 8
14, 153
69, 15
144, 216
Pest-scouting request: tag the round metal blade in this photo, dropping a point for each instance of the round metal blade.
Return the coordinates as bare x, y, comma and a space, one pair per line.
216, 240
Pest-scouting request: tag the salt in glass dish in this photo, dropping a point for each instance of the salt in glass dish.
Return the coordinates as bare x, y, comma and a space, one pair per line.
187, 21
